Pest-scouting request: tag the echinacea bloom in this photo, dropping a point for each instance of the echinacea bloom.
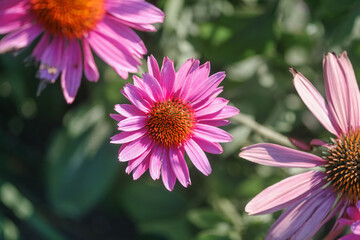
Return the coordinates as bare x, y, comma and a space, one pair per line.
353, 219
172, 113
313, 197
67, 31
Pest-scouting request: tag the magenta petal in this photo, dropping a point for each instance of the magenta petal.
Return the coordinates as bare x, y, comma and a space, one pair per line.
134, 149
210, 147
279, 156
117, 117
41, 46
179, 166
285, 193
133, 94
353, 213
167, 175
90, 69
315, 102
197, 157
132, 164
153, 67
155, 161
128, 110
72, 73
153, 88
167, 78
135, 11
211, 133
20, 38
182, 73
132, 123
226, 112
215, 106
13, 21
125, 137
141, 168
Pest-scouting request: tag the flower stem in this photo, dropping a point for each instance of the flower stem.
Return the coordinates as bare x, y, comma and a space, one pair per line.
262, 130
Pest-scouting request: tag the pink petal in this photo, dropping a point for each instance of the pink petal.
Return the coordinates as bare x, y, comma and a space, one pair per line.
215, 123
117, 117
211, 133
134, 149
183, 88
226, 112
215, 106
315, 102
135, 12
135, 97
167, 174
90, 69
179, 166
182, 73
211, 84
156, 161
20, 38
299, 220
128, 110
153, 67
133, 164
353, 91
72, 73
200, 83
353, 213
132, 123
285, 193
316, 220
207, 146
279, 156
140, 169
167, 78
153, 88
197, 157
41, 46
125, 137
14, 20
112, 52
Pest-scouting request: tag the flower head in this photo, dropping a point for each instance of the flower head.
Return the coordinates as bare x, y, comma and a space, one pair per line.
69, 29
172, 113
313, 197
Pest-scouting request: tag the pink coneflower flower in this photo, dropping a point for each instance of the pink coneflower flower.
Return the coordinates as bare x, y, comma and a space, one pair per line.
352, 219
172, 113
69, 29
313, 197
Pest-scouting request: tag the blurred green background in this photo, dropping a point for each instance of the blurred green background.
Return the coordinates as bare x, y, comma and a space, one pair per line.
59, 175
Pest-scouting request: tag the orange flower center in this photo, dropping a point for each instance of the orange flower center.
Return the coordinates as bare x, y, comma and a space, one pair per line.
170, 123
70, 18
343, 168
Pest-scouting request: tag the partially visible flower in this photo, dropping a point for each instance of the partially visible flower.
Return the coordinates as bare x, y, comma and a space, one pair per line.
69, 29
313, 197
353, 219
172, 113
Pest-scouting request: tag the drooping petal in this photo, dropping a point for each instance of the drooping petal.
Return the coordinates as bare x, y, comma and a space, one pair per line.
167, 175
313, 210
315, 102
207, 146
90, 69
20, 38
279, 156
285, 193
72, 72
179, 166
197, 157
156, 161
134, 149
